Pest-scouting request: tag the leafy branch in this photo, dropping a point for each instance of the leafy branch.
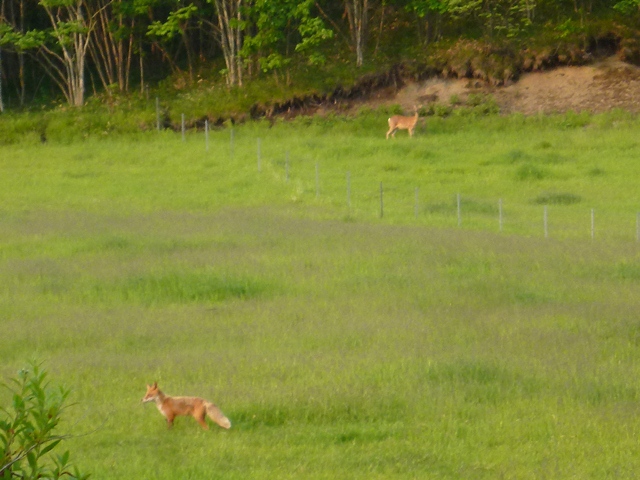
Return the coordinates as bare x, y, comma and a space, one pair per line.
27, 429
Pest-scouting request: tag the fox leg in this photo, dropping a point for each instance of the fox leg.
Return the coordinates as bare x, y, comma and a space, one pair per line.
169, 420
199, 416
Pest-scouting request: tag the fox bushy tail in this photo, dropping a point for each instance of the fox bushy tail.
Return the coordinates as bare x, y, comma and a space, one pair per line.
217, 416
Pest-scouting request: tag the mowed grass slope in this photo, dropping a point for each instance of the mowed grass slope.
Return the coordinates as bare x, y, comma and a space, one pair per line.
339, 345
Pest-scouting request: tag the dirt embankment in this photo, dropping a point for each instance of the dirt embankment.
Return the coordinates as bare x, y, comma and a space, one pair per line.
599, 87
601, 77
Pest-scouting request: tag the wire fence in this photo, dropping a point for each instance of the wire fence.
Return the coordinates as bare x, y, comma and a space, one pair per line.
416, 204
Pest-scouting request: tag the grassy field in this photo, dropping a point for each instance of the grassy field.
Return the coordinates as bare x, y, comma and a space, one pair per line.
340, 344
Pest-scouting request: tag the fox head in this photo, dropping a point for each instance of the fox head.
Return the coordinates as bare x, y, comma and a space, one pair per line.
152, 393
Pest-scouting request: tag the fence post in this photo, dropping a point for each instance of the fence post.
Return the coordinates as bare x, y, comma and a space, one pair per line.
206, 135
259, 166
231, 135
158, 113
286, 165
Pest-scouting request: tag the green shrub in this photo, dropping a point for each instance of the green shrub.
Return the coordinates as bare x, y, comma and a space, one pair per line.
177, 287
529, 171
27, 429
557, 199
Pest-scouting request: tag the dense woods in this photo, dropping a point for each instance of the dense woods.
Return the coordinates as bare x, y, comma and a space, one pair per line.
71, 48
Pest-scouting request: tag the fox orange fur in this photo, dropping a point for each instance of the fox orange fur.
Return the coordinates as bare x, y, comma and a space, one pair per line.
198, 408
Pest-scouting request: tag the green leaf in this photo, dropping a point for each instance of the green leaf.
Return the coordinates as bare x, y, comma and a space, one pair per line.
33, 460
64, 458
50, 447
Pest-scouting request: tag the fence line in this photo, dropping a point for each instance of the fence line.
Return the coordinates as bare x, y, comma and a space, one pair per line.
459, 204
383, 210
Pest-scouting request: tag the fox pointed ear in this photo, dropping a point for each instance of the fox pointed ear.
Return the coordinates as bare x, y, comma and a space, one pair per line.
155, 384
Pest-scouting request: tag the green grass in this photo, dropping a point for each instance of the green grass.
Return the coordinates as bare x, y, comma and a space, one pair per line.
340, 345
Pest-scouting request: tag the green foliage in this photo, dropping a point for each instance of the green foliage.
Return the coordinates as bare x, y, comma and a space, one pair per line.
174, 24
424, 7
466, 38
557, 198
530, 171
168, 288
27, 429
276, 22
627, 7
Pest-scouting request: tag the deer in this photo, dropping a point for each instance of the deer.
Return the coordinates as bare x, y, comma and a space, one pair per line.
400, 122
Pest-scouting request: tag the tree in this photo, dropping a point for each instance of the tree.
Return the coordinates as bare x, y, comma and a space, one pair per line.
357, 12
112, 40
628, 7
502, 18
62, 48
27, 429
14, 16
1, 70
1, 101
430, 12
282, 28
177, 24
230, 37
313, 33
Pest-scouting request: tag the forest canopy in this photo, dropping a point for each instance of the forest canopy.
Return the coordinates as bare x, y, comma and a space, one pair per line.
68, 48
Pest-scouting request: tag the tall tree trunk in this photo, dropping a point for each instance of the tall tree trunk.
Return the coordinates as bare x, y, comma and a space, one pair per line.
72, 25
358, 16
1, 97
23, 83
230, 37
17, 21
1, 100
141, 56
110, 49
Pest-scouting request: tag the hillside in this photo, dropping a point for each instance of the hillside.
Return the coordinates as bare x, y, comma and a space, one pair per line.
599, 87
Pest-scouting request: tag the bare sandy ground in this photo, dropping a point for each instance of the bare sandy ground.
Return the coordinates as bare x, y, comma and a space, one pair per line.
597, 88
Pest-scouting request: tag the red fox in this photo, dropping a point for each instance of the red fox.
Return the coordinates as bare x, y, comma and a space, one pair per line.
198, 408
